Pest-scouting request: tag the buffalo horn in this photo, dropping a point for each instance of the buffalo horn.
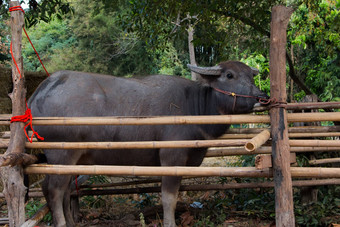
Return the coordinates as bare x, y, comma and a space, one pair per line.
211, 71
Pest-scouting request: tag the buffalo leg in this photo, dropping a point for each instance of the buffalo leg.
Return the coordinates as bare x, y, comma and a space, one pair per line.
170, 188
67, 207
171, 184
54, 190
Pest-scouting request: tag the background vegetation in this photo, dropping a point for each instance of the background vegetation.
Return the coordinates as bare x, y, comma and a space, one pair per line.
140, 37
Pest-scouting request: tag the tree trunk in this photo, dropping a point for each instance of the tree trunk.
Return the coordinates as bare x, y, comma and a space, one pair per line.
191, 30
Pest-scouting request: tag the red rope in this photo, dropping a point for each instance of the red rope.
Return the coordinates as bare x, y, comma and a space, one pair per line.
36, 52
24, 118
15, 8
28, 114
18, 8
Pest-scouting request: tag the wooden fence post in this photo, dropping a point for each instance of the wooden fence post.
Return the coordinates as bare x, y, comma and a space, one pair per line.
12, 177
284, 208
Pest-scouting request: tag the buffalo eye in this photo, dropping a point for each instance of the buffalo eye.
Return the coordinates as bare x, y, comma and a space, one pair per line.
229, 75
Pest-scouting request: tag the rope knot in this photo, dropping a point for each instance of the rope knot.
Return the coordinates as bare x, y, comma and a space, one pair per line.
24, 118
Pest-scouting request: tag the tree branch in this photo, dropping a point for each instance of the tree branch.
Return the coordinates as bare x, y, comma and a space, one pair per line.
263, 31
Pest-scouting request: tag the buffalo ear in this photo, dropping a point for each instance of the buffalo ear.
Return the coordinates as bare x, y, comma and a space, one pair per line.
255, 71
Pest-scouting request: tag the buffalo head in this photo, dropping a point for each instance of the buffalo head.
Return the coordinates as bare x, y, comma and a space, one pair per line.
233, 84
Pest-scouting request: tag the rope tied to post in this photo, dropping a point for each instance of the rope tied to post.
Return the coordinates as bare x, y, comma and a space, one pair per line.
24, 118
28, 114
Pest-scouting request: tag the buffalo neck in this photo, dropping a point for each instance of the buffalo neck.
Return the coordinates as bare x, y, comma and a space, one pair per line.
203, 101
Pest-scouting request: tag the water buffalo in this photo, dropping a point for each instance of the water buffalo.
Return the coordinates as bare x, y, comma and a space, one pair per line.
70, 94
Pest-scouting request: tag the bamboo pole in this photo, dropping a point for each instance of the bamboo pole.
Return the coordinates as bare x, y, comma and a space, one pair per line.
176, 171
249, 136
37, 217
169, 144
215, 187
136, 145
146, 171
304, 106
290, 135
165, 144
324, 161
300, 129
210, 187
232, 151
314, 143
251, 132
179, 120
257, 141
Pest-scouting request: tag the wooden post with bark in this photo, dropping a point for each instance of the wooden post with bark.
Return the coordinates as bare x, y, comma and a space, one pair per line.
284, 209
12, 177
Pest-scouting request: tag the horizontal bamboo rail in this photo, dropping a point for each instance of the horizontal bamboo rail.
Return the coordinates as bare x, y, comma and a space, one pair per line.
300, 129
162, 120
145, 170
138, 190
324, 161
314, 143
232, 151
6, 135
304, 106
290, 135
209, 187
294, 131
257, 141
176, 171
164, 144
137, 145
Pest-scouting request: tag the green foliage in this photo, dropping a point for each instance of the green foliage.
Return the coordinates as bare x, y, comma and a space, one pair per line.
322, 212
93, 202
258, 61
146, 200
260, 203
33, 206
91, 40
46, 10
314, 36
